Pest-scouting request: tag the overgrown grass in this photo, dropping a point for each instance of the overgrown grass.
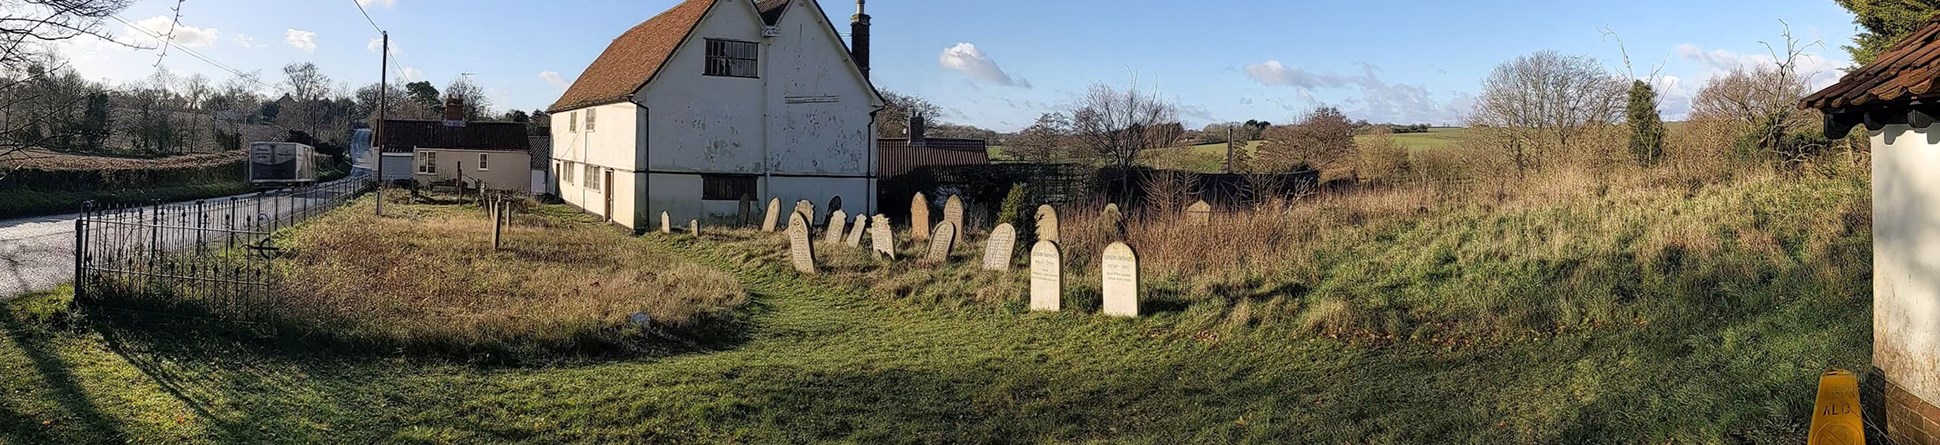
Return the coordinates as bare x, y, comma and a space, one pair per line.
17, 203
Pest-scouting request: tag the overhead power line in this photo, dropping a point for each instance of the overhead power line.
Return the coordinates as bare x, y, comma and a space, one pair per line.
169, 43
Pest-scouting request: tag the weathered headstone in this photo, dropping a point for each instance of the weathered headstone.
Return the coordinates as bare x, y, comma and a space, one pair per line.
1111, 219
1047, 223
801, 248
855, 233
998, 248
942, 241
694, 227
666, 223
919, 217
774, 211
953, 211
1047, 276
837, 220
1120, 273
745, 216
835, 203
807, 209
882, 238
1199, 213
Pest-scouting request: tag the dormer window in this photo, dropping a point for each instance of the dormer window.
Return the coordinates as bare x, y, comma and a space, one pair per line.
733, 58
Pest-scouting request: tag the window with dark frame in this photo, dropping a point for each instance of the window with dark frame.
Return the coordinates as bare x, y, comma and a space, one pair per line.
726, 187
733, 58
483, 160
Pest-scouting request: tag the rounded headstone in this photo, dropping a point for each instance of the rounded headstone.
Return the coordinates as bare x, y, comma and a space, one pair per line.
1047, 222
1119, 269
998, 248
919, 217
774, 212
801, 248
1047, 276
942, 241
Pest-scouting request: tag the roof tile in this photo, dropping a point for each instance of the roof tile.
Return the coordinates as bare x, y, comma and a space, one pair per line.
633, 57
1905, 72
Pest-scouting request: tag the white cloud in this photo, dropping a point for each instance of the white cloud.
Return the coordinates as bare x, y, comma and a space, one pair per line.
1274, 74
1821, 71
384, 3
300, 39
413, 74
248, 42
553, 78
967, 59
1673, 98
1379, 100
378, 43
144, 31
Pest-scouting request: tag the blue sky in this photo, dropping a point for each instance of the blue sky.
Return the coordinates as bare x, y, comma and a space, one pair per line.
1000, 63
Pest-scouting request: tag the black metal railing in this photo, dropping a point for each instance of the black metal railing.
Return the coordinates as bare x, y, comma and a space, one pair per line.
216, 256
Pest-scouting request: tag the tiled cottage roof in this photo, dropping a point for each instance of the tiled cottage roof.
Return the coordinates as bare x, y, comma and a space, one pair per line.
771, 10
899, 157
1907, 71
403, 135
633, 57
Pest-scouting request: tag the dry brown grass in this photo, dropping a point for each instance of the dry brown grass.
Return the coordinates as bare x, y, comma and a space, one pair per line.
426, 276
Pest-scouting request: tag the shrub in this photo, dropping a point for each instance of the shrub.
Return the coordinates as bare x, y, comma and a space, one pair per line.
1381, 159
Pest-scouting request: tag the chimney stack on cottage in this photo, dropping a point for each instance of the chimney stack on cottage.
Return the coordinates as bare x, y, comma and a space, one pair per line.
859, 38
454, 109
916, 124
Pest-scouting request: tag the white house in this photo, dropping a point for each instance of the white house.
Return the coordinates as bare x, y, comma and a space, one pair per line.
1897, 99
715, 99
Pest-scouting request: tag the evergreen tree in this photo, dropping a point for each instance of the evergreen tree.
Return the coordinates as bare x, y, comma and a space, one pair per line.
1883, 23
1646, 126
95, 126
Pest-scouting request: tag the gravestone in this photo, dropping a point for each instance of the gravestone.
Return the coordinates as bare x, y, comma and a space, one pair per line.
855, 233
953, 211
998, 248
837, 220
774, 211
666, 223
1047, 223
919, 217
1047, 276
744, 217
801, 249
1199, 213
882, 238
835, 203
941, 242
1120, 272
694, 227
807, 209
1111, 220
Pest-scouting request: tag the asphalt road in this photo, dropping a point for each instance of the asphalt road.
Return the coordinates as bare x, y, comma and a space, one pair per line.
38, 253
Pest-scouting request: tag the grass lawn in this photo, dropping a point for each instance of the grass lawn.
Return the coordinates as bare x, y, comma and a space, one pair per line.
899, 353
25, 203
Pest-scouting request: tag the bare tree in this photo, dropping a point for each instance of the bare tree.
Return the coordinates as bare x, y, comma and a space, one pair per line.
1044, 140
25, 24
1118, 125
1322, 140
1543, 100
893, 120
477, 106
34, 117
1761, 102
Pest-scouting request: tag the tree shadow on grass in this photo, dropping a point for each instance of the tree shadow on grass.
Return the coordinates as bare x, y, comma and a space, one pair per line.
59, 377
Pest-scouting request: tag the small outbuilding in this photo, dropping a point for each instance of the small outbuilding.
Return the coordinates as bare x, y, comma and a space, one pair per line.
1896, 99
492, 155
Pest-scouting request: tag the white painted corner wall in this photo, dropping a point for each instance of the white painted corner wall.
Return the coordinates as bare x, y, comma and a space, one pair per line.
1906, 257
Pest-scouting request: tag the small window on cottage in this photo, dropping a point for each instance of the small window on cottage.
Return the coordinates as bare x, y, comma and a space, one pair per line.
732, 58
591, 114
572, 122
592, 176
428, 162
566, 172
726, 187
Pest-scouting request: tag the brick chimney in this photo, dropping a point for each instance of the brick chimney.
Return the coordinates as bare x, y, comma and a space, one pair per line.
916, 124
454, 109
859, 38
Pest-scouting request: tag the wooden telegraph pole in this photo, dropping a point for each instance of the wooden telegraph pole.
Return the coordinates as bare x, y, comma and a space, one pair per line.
377, 132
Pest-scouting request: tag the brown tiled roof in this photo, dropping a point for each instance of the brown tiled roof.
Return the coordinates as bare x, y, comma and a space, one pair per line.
633, 57
771, 10
1907, 71
898, 157
403, 135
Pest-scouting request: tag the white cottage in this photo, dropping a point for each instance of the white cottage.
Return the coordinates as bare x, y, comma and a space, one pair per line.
1897, 99
715, 99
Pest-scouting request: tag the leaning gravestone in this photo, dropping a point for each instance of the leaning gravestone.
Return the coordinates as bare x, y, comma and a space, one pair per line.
694, 227
1047, 276
1047, 223
836, 221
666, 224
806, 209
855, 233
1199, 213
882, 239
998, 248
941, 242
774, 211
919, 217
1120, 272
835, 203
801, 249
745, 216
953, 211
